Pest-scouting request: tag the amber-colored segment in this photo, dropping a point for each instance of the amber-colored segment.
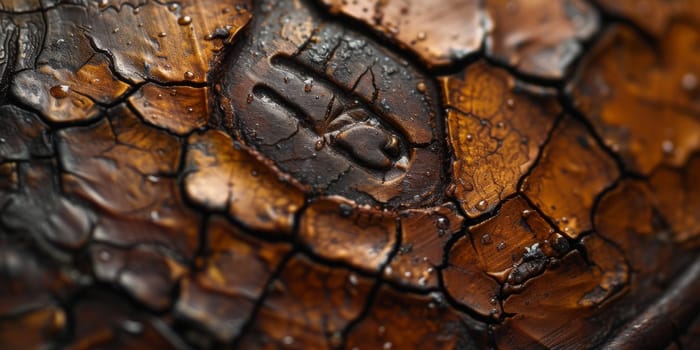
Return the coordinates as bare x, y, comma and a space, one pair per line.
180, 109
438, 32
221, 175
33, 329
495, 130
308, 307
8, 178
424, 233
106, 320
573, 291
677, 193
539, 37
338, 229
465, 278
157, 42
126, 169
144, 272
221, 296
630, 215
516, 244
397, 320
562, 185
643, 104
654, 16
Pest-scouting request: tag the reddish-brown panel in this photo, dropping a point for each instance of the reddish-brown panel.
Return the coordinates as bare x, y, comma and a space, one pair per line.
495, 131
338, 229
106, 320
163, 42
308, 307
631, 217
221, 175
126, 169
424, 234
438, 32
398, 320
539, 37
9, 181
466, 280
654, 16
677, 193
643, 102
572, 291
562, 185
180, 109
236, 270
516, 244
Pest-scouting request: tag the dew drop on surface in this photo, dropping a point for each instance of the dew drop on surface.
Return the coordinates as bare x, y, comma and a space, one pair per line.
319, 145
173, 7
470, 137
667, 147
345, 209
352, 279
526, 213
162, 34
288, 340
103, 3
422, 36
510, 103
184, 20
482, 205
104, 255
486, 239
59, 91
689, 81
442, 222
421, 87
249, 99
387, 345
501, 246
189, 75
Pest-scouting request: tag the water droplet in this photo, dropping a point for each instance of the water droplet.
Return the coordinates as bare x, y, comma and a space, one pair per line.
115, 30
162, 34
59, 91
137, 10
387, 345
482, 205
421, 87
173, 7
288, 340
189, 75
493, 300
319, 145
352, 279
190, 109
486, 239
667, 147
470, 137
103, 3
526, 213
249, 99
407, 274
184, 20
132, 327
345, 210
422, 36
689, 81
442, 222
510, 103
501, 246
105, 255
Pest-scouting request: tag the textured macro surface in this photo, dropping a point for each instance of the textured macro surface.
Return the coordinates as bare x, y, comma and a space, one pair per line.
349, 174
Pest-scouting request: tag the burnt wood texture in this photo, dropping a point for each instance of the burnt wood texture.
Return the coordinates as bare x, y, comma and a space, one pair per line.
349, 174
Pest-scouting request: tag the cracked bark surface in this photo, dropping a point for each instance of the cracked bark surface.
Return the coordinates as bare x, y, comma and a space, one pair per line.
349, 174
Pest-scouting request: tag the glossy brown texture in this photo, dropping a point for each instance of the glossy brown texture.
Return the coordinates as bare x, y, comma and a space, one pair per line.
389, 174
438, 32
223, 176
539, 37
625, 87
496, 132
561, 185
